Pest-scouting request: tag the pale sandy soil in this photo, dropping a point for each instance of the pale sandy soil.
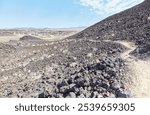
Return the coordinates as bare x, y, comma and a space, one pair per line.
7, 38
54, 37
17, 37
53, 34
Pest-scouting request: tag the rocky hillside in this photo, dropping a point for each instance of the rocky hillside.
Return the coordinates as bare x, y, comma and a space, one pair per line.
132, 24
86, 65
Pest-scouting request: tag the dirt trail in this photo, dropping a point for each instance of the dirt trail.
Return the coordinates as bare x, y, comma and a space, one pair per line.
139, 71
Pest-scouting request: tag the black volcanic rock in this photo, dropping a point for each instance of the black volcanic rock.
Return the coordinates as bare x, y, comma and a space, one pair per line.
5, 49
83, 65
132, 25
142, 52
63, 69
6, 46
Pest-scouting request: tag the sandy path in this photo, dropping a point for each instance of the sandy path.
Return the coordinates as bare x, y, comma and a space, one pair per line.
139, 72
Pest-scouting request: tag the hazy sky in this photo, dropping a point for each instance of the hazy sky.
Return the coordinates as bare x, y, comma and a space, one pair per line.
58, 13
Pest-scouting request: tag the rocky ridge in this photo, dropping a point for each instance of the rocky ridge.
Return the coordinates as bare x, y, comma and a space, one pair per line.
67, 68
131, 25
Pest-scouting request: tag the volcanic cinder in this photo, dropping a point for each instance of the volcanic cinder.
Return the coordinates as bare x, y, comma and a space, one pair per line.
102, 61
